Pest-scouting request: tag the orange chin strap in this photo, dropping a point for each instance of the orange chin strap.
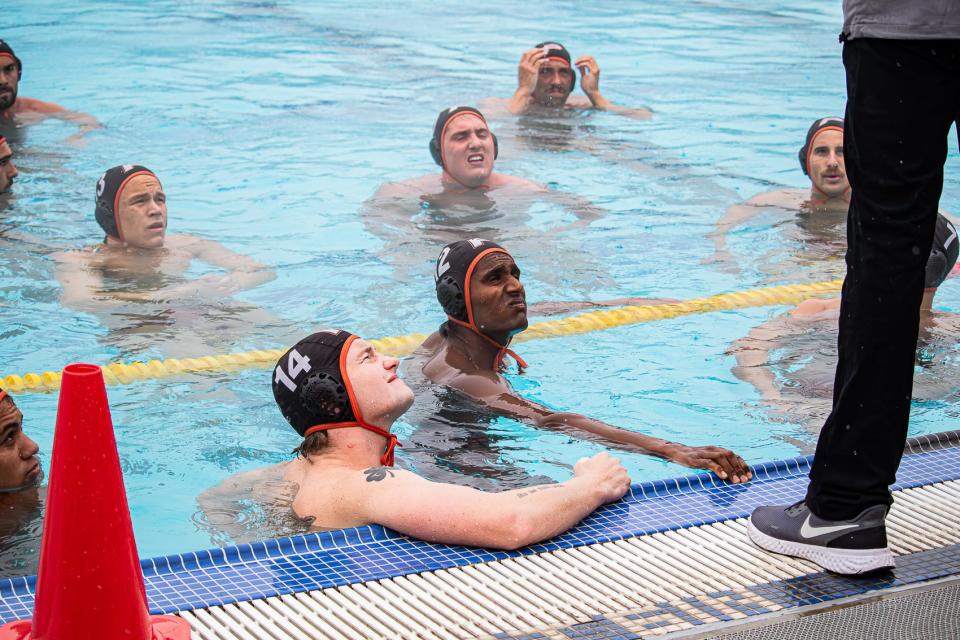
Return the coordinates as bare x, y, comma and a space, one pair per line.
387, 459
471, 324
503, 349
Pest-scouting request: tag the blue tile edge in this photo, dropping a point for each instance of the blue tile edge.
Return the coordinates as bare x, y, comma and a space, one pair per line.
190, 564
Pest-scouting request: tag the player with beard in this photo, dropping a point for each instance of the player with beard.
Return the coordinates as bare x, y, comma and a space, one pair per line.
478, 286
16, 109
546, 78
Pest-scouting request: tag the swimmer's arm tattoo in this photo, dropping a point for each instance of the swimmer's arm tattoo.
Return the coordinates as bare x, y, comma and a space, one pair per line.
533, 490
376, 474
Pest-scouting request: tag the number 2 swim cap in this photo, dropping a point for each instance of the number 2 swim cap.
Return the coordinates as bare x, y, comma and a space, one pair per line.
452, 275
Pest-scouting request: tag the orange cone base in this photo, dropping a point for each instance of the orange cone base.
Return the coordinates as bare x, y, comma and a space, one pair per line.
162, 628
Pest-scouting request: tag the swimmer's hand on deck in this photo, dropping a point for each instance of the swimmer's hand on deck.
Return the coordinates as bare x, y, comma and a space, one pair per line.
606, 474
723, 462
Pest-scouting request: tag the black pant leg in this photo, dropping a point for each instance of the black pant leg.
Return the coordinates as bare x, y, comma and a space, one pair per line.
901, 100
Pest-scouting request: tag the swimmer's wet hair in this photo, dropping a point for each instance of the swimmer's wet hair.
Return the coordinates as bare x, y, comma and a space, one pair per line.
313, 443
6, 51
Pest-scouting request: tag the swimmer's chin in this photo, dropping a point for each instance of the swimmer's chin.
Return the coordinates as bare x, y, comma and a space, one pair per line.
34, 480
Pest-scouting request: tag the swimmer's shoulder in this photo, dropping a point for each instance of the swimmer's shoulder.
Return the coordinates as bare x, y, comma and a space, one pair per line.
412, 188
815, 306
578, 102
502, 180
85, 256
32, 105
783, 199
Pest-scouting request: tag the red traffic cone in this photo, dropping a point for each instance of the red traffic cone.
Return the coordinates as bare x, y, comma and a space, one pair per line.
89, 584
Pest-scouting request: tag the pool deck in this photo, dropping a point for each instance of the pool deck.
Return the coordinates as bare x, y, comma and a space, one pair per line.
672, 557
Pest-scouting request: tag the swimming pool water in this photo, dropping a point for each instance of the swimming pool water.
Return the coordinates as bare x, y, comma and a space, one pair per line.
272, 123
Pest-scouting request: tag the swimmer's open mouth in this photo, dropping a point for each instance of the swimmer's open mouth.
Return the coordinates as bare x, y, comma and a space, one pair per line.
155, 225
476, 158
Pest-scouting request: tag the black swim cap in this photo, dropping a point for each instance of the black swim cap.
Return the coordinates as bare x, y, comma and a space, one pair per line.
311, 387
818, 126
556, 51
7, 52
440, 127
109, 187
455, 266
943, 254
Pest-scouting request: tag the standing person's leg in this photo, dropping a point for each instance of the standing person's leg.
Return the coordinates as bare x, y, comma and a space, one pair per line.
902, 97
899, 112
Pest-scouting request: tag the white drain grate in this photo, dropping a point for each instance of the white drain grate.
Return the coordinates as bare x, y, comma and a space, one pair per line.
558, 588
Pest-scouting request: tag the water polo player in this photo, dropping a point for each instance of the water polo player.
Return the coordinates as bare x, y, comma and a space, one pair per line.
8, 170
827, 198
30, 110
546, 78
138, 262
343, 397
478, 285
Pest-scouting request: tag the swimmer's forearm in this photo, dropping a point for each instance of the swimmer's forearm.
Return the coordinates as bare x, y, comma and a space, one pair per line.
519, 101
547, 510
633, 440
599, 102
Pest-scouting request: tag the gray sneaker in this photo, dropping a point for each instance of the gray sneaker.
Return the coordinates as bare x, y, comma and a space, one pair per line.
849, 547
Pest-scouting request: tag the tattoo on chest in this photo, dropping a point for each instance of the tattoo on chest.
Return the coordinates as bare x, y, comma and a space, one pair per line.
376, 474
534, 490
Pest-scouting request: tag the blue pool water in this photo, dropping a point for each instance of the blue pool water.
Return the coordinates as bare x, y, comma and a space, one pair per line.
271, 124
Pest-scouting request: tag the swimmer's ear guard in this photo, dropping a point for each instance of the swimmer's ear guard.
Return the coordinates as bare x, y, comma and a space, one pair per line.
557, 51
815, 128
109, 187
943, 254
439, 128
5, 49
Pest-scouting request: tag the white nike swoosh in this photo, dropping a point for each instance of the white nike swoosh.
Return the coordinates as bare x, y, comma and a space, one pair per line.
807, 530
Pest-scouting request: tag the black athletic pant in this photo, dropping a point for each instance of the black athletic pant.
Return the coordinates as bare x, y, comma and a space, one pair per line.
902, 97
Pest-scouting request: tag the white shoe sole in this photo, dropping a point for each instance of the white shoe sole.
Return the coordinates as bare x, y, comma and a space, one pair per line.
849, 562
